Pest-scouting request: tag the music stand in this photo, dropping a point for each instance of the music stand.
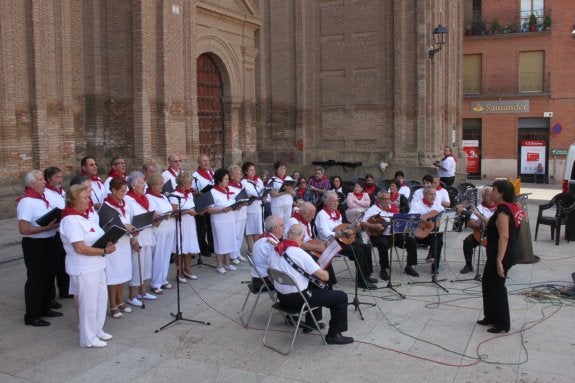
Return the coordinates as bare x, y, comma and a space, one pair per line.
178, 316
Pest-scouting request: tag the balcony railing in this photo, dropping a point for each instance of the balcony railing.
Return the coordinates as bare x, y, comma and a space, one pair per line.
526, 82
504, 23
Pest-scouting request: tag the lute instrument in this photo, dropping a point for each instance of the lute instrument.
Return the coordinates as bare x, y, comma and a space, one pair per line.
427, 224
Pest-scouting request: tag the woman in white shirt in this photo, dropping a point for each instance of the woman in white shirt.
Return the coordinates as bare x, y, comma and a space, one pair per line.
235, 186
254, 186
86, 266
282, 201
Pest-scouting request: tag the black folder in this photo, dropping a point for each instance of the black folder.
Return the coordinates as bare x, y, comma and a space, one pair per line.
144, 220
54, 214
203, 201
207, 188
168, 187
287, 183
113, 234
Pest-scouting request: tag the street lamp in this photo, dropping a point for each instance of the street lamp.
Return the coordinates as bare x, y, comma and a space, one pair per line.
439, 38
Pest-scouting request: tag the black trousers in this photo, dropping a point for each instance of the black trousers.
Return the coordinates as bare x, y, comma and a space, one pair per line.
62, 277
495, 302
334, 300
40, 261
204, 232
360, 253
435, 242
258, 282
403, 241
448, 181
469, 243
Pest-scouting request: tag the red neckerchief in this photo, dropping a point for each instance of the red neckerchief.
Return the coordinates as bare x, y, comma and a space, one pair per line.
59, 191
403, 184
114, 173
491, 207
31, 193
369, 189
90, 207
300, 219
153, 193
428, 204
112, 201
394, 196
71, 211
172, 171
438, 187
281, 178
237, 185
141, 199
94, 179
225, 191
207, 174
516, 211
447, 156
334, 215
185, 193
359, 196
255, 179
268, 235
301, 192
391, 208
284, 244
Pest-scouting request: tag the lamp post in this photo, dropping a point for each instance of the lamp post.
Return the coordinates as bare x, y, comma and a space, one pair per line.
439, 38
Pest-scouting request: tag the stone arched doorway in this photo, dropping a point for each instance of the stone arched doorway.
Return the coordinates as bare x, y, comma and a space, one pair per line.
210, 109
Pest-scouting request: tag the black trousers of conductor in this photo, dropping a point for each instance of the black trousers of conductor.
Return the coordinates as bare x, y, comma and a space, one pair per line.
334, 300
40, 261
495, 301
403, 241
361, 254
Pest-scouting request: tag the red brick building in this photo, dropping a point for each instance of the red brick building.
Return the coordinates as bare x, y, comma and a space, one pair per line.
518, 87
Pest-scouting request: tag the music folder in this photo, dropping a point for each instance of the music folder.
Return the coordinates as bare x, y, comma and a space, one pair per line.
203, 201
54, 214
287, 184
113, 234
330, 251
207, 188
168, 187
162, 217
109, 216
144, 220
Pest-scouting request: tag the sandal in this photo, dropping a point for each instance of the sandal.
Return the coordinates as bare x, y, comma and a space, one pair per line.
116, 313
124, 308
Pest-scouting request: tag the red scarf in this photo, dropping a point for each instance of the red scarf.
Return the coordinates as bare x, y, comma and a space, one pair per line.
518, 214
391, 208
120, 205
255, 179
281, 178
235, 184
141, 199
334, 215
90, 207
185, 193
301, 192
71, 211
491, 207
207, 174
59, 191
153, 193
114, 173
300, 219
394, 196
94, 179
359, 196
369, 189
225, 191
31, 193
172, 172
428, 204
438, 187
268, 235
284, 244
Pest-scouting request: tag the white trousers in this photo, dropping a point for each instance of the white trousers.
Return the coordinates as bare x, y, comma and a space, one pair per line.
161, 258
145, 264
92, 305
240, 225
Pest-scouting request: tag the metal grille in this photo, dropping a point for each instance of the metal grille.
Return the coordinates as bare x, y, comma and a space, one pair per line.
210, 110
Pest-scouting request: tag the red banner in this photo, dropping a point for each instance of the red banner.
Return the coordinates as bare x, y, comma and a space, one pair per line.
472, 154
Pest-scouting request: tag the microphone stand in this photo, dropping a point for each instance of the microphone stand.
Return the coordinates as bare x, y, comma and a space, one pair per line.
356, 302
393, 233
477, 276
178, 316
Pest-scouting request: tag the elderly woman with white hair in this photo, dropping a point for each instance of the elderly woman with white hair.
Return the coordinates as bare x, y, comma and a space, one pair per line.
141, 245
38, 246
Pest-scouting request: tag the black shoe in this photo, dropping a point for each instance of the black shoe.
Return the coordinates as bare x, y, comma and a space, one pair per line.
66, 296
383, 275
411, 271
338, 339
485, 322
429, 258
37, 322
496, 330
368, 286
52, 314
466, 269
55, 305
372, 280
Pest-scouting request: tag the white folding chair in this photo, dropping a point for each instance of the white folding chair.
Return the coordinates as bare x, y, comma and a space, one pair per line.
282, 278
257, 292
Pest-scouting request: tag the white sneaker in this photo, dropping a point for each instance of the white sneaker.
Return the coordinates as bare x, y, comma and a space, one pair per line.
236, 261
230, 267
135, 302
97, 343
147, 296
243, 259
221, 270
182, 280
125, 309
190, 276
105, 336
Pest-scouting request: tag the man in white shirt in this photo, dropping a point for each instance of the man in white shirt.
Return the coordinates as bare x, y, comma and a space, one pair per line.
335, 301
446, 166
174, 169
418, 194
263, 248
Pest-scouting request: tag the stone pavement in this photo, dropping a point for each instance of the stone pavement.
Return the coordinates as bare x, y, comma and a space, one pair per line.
431, 336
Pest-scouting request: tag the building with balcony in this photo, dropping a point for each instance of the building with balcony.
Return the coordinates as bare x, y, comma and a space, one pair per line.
518, 87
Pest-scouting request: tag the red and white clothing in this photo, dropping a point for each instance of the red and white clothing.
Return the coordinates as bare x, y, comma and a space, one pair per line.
281, 205
170, 175
189, 243
203, 178
223, 224
326, 223
56, 198
486, 211
264, 247
441, 195
99, 192
423, 208
146, 241
375, 210
301, 258
449, 164
356, 205
165, 238
405, 190
111, 176
30, 209
254, 221
297, 219
119, 263
87, 276
241, 216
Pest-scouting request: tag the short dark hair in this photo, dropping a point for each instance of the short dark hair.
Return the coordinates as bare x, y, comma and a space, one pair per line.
79, 179
396, 183
117, 183
359, 182
428, 178
220, 174
246, 166
49, 172
399, 173
279, 164
85, 160
506, 189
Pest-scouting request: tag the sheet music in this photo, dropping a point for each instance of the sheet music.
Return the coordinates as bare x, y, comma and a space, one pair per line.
330, 251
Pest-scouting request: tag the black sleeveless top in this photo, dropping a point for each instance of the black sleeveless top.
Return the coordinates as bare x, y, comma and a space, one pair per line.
493, 238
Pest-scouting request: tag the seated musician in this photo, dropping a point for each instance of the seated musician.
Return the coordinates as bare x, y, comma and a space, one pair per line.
327, 222
292, 260
417, 196
442, 196
477, 222
304, 215
264, 247
427, 231
318, 184
377, 222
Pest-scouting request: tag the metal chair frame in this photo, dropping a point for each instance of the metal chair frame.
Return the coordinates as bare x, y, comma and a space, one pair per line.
251, 290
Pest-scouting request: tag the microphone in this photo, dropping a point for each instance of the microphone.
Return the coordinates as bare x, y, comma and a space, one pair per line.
175, 196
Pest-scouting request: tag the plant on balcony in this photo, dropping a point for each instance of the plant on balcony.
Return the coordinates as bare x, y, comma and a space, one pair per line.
496, 26
532, 23
547, 22
467, 30
477, 26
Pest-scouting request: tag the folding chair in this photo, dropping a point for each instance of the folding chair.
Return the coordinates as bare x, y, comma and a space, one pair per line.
257, 292
284, 279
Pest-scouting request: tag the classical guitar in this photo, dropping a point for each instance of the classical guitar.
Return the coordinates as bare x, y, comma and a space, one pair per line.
479, 235
426, 224
375, 220
345, 237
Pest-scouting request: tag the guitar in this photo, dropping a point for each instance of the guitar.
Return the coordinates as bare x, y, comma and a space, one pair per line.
345, 237
426, 224
478, 235
374, 220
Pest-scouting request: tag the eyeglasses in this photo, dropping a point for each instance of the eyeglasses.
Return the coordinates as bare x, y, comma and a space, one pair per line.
119, 163
176, 160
